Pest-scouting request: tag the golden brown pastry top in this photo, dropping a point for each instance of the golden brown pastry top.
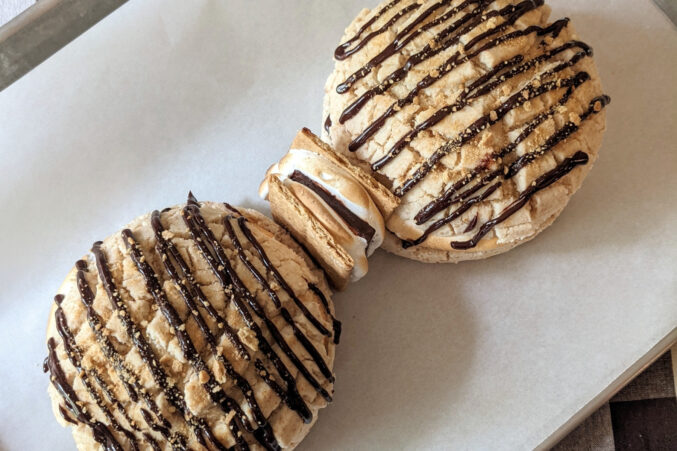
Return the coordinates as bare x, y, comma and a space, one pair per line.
482, 116
201, 326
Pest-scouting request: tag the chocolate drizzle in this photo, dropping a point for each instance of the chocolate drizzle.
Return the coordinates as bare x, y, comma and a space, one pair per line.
241, 295
171, 392
542, 182
74, 354
245, 425
471, 225
358, 226
124, 373
403, 38
442, 41
190, 290
212, 387
300, 336
508, 171
64, 415
450, 196
480, 87
335, 323
127, 375
341, 51
241, 299
327, 123
185, 282
529, 92
73, 404
458, 19
596, 105
272, 270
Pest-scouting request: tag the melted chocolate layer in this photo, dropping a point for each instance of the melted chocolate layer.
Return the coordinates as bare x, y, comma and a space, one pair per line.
356, 224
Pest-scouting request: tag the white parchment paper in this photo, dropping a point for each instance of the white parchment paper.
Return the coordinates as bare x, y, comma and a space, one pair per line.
166, 96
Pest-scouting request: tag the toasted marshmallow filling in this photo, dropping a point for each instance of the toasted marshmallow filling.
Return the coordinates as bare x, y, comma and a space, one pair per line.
340, 196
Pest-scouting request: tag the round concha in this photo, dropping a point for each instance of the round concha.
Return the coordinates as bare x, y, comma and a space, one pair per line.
203, 326
482, 116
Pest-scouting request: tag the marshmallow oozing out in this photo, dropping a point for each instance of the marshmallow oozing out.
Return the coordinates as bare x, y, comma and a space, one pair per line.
337, 199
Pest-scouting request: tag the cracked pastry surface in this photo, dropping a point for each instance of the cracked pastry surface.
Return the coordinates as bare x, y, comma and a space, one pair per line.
203, 326
483, 116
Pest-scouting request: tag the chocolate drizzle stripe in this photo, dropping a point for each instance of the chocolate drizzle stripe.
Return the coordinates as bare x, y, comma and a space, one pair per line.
356, 224
74, 354
189, 289
335, 323
449, 196
230, 207
542, 182
480, 87
532, 90
113, 400
472, 224
172, 393
127, 376
168, 248
404, 37
211, 386
298, 334
263, 257
65, 416
100, 432
340, 52
343, 52
473, 19
509, 171
270, 380
327, 124
213, 253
